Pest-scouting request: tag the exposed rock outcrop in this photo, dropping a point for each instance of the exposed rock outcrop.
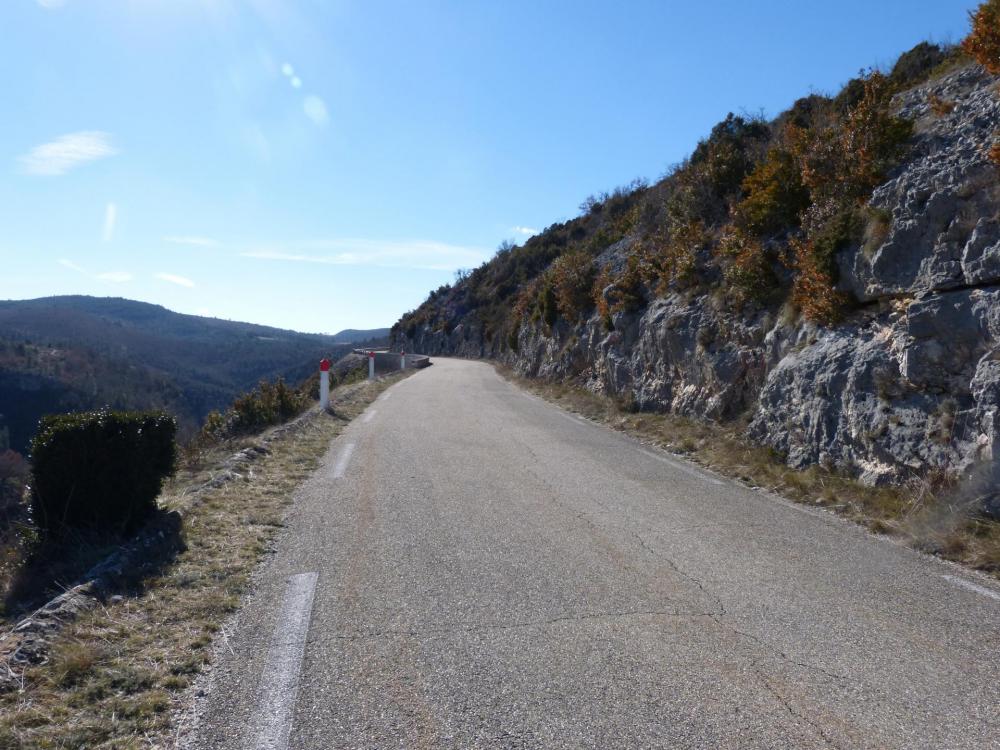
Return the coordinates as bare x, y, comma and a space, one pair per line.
909, 383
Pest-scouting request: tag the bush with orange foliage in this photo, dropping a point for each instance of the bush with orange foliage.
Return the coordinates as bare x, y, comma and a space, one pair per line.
774, 195
747, 268
572, 282
983, 42
664, 260
846, 160
813, 291
622, 292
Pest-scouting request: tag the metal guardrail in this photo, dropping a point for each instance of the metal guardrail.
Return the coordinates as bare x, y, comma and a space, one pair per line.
387, 361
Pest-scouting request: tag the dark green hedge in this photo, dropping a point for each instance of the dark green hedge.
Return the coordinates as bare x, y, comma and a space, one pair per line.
100, 470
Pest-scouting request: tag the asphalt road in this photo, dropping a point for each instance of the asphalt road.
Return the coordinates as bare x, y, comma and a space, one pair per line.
473, 568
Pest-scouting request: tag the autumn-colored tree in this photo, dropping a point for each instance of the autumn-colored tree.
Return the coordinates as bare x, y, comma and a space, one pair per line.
983, 42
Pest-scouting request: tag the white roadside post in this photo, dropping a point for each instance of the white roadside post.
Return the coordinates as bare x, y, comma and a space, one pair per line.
402, 360
371, 365
324, 384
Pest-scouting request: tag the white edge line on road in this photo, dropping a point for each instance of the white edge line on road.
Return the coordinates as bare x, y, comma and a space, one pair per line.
368, 417
681, 467
969, 586
280, 682
343, 460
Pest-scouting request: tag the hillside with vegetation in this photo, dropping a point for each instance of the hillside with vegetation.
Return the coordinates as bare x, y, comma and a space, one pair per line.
828, 280
61, 354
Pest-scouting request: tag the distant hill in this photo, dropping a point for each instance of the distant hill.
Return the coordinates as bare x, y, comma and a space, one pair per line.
76, 352
355, 336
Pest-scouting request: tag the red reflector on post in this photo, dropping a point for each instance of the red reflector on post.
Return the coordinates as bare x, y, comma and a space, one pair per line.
324, 365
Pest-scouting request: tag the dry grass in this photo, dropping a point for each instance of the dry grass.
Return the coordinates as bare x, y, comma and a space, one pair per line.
918, 514
113, 675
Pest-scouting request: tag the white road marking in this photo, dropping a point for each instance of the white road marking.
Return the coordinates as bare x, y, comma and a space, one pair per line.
681, 467
368, 417
280, 681
345, 457
969, 586
569, 417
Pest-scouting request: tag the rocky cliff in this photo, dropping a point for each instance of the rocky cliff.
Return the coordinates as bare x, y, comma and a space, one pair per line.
906, 383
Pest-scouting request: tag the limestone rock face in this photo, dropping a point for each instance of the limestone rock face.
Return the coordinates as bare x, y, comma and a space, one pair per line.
910, 383
942, 207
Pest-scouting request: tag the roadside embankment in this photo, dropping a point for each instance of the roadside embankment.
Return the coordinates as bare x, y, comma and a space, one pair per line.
111, 660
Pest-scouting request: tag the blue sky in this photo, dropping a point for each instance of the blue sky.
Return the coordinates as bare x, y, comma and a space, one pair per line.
323, 164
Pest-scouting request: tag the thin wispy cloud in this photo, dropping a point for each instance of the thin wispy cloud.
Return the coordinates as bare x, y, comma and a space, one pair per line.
110, 220
67, 152
422, 254
113, 277
51, 4
193, 241
71, 265
526, 231
175, 279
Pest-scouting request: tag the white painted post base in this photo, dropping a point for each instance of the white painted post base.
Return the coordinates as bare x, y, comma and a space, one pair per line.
324, 390
371, 365
402, 361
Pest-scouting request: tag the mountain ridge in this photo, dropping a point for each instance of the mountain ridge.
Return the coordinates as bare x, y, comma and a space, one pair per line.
78, 352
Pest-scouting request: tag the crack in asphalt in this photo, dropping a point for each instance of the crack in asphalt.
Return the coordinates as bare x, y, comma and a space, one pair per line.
787, 705
716, 617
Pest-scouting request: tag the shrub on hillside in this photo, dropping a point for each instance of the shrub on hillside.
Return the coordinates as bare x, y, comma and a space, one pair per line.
702, 188
622, 292
547, 305
874, 139
692, 199
572, 282
807, 112
672, 259
916, 65
845, 161
267, 404
774, 195
747, 268
995, 152
100, 470
983, 42
730, 151
829, 228
813, 290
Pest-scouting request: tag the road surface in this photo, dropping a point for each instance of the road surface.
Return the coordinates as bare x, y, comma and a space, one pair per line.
473, 568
